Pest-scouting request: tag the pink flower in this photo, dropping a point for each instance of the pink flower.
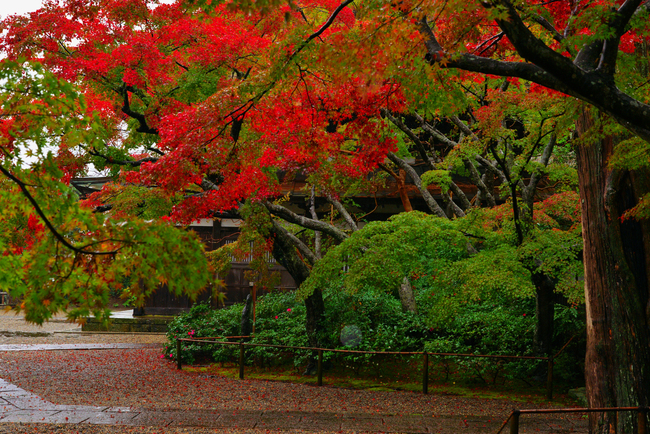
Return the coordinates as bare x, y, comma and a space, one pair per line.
289, 310
276, 317
162, 356
170, 356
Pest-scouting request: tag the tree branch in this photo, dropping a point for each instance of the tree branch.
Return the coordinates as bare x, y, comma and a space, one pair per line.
302, 247
305, 222
549, 69
434, 132
314, 216
126, 109
132, 163
344, 213
527, 192
476, 177
607, 63
428, 199
48, 224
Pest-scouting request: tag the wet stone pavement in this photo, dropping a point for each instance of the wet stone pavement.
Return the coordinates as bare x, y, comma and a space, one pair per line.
19, 407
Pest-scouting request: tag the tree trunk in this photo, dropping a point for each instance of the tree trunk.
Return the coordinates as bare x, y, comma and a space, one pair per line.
406, 296
544, 313
617, 365
285, 253
403, 193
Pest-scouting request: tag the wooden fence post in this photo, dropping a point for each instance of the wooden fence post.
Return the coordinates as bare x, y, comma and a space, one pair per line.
549, 379
320, 367
425, 372
241, 360
642, 416
178, 354
514, 422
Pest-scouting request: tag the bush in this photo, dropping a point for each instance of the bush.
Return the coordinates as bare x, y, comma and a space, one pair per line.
279, 320
202, 321
372, 320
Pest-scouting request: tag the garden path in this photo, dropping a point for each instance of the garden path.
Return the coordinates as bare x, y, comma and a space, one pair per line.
107, 383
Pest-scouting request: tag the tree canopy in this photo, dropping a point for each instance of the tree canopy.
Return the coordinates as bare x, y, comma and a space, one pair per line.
209, 104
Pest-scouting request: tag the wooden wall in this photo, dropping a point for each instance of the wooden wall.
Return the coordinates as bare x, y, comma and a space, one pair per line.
237, 286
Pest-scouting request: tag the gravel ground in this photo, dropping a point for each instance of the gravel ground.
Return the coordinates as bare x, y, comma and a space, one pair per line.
142, 379
18, 338
96, 429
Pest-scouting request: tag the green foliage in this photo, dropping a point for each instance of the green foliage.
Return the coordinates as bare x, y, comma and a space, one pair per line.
279, 321
202, 321
564, 176
506, 328
370, 321
630, 154
70, 258
555, 253
132, 200
489, 276
252, 246
487, 328
375, 322
441, 178
382, 254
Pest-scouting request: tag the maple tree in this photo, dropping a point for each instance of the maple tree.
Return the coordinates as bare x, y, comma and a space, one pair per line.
56, 255
206, 102
206, 131
593, 51
502, 138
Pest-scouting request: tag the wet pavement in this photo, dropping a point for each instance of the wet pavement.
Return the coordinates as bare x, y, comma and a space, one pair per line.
62, 347
19, 406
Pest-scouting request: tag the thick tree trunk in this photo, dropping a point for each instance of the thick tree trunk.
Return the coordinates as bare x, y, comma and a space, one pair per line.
617, 366
544, 312
285, 253
407, 297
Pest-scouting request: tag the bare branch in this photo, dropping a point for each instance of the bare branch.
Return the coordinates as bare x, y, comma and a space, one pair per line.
434, 132
428, 199
305, 222
527, 193
302, 247
476, 178
314, 216
344, 213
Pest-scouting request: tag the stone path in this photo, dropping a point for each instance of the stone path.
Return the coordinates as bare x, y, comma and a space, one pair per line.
20, 406
61, 347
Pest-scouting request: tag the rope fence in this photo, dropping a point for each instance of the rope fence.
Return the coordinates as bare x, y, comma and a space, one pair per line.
513, 420
425, 357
